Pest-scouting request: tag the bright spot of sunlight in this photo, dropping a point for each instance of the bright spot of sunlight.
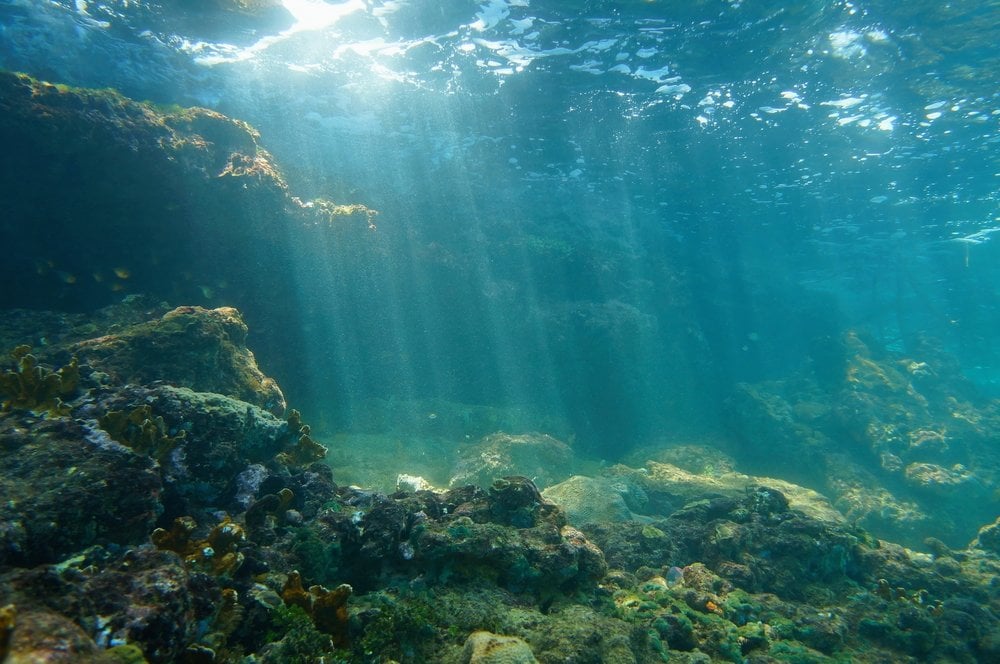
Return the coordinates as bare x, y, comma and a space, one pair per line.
316, 14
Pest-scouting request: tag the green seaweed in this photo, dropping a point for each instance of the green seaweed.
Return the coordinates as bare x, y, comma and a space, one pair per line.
297, 640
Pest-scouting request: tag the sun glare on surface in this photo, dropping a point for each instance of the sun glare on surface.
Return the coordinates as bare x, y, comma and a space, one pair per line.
316, 14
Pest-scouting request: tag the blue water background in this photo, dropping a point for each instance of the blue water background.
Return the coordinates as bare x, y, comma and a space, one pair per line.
604, 213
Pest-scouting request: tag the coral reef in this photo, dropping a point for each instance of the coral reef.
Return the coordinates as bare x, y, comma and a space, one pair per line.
141, 431
921, 423
326, 608
145, 521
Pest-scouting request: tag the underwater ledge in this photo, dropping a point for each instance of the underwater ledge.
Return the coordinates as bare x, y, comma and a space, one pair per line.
159, 502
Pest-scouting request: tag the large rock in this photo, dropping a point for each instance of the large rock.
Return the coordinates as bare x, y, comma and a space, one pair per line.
202, 440
65, 485
589, 500
904, 443
660, 489
202, 349
538, 456
509, 534
488, 648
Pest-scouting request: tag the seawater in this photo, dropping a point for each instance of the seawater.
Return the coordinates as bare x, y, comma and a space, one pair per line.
594, 219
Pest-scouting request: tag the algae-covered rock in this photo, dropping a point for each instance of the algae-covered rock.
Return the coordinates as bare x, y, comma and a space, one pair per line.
538, 456
489, 648
213, 438
988, 537
202, 349
148, 598
104, 195
41, 636
509, 535
903, 443
140, 596
589, 500
138, 174
668, 484
577, 633
65, 485
658, 490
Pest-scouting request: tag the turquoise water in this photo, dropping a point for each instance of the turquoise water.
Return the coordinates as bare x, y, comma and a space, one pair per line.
596, 217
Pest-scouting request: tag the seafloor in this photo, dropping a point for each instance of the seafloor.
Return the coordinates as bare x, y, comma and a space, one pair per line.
160, 502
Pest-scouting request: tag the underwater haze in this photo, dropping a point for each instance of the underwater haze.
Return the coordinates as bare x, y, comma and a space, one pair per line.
472, 331
601, 217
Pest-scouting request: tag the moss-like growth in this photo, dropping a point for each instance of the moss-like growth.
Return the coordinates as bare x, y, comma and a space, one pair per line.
30, 386
413, 624
127, 653
318, 559
296, 639
142, 431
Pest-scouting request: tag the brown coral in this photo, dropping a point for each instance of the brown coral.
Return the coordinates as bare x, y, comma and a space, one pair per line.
141, 431
327, 608
29, 386
217, 553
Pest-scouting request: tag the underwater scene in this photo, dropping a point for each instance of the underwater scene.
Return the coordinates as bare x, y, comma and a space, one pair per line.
499, 331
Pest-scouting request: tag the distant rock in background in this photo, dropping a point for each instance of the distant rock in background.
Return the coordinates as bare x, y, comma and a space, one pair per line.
538, 456
903, 444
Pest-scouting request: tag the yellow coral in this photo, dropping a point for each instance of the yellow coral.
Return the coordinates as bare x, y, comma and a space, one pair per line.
141, 431
305, 450
30, 386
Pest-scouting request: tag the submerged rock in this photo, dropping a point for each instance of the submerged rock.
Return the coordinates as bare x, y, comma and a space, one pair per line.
489, 648
903, 444
201, 349
213, 438
589, 500
44, 637
660, 489
65, 485
538, 456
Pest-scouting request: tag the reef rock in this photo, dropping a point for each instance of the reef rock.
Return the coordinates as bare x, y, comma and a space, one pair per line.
44, 637
660, 489
538, 456
589, 500
204, 440
202, 349
509, 534
886, 434
489, 648
64, 485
